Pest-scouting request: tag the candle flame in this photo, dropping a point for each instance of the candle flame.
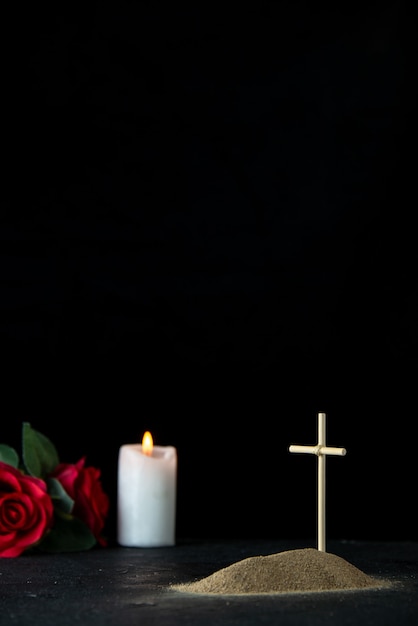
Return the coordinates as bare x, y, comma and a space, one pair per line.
147, 443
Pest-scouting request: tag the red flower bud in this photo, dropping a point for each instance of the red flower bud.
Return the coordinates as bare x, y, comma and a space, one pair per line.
83, 485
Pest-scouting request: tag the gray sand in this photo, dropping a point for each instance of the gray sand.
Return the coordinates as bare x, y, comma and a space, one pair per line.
292, 571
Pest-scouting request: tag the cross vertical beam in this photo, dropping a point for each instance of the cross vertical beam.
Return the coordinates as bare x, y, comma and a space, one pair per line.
321, 450
321, 482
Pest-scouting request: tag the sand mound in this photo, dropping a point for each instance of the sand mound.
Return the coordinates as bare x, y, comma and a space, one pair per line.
292, 571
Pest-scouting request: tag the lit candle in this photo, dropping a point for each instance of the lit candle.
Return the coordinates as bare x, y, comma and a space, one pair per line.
147, 481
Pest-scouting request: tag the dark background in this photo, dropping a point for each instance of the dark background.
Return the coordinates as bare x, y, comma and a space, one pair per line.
208, 232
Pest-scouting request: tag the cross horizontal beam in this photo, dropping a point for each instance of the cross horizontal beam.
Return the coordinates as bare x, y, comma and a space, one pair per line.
318, 450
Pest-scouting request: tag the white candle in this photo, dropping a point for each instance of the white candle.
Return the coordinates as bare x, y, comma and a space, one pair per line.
147, 481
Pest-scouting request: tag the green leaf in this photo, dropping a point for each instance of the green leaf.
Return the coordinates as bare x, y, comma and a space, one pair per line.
62, 501
9, 455
68, 534
39, 453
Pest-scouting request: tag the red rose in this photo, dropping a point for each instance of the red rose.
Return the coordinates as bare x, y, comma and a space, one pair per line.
83, 485
26, 511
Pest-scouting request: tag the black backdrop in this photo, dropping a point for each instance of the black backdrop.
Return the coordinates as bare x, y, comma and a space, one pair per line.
207, 233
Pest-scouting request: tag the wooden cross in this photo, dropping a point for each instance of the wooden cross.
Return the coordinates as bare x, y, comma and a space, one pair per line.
321, 450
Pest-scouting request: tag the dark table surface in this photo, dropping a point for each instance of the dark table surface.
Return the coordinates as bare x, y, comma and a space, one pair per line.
127, 586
